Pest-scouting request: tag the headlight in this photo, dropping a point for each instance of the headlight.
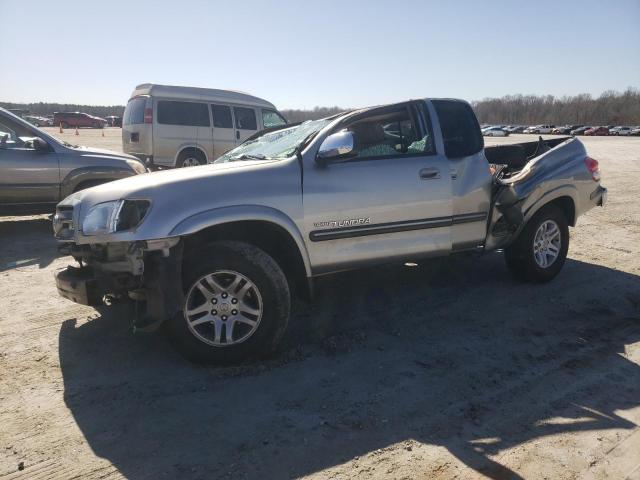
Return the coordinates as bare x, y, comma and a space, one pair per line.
137, 166
116, 216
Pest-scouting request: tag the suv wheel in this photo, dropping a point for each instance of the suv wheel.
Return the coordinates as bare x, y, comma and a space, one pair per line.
540, 250
191, 158
64, 124
237, 304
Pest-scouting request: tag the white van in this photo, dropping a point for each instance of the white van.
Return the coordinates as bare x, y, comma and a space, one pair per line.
186, 126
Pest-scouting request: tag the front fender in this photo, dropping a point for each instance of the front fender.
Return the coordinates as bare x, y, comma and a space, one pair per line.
89, 174
238, 213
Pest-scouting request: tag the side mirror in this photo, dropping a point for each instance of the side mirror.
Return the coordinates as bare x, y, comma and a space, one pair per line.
336, 146
39, 145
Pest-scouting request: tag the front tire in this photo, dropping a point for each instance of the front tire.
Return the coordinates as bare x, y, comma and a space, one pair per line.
540, 250
237, 304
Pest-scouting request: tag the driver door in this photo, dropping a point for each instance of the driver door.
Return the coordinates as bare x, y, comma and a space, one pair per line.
27, 176
390, 200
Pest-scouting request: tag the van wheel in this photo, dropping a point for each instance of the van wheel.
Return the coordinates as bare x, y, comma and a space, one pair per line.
540, 250
65, 125
191, 158
236, 306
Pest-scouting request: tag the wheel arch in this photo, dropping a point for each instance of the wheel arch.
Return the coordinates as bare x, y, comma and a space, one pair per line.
190, 146
263, 227
565, 198
78, 176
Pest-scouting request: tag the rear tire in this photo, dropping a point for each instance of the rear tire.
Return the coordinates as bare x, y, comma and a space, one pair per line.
236, 307
539, 252
191, 158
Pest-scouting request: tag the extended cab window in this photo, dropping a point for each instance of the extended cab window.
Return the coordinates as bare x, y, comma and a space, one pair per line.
221, 116
271, 118
245, 118
460, 129
189, 114
389, 134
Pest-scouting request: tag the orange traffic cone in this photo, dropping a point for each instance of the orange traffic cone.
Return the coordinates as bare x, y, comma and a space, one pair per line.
61, 131
77, 130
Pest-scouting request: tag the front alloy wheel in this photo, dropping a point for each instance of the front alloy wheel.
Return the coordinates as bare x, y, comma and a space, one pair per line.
236, 304
223, 308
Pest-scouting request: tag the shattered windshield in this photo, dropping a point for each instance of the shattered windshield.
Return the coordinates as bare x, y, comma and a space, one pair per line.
279, 144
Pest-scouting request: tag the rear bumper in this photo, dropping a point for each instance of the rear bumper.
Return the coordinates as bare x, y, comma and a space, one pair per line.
599, 196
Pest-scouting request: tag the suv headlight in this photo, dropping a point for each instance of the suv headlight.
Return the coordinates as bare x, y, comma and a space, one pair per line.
115, 216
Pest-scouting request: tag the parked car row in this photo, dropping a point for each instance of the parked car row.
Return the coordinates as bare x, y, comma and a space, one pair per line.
38, 121
78, 119
504, 130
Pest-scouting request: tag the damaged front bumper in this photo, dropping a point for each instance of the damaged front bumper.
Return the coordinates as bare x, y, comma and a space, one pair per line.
145, 272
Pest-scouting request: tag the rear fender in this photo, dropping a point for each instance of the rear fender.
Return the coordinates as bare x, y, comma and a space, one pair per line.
511, 212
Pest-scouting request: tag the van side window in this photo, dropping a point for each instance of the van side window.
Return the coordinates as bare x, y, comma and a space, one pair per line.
221, 116
460, 129
245, 118
271, 118
183, 113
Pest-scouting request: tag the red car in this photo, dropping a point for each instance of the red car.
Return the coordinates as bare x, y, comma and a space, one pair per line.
78, 119
597, 131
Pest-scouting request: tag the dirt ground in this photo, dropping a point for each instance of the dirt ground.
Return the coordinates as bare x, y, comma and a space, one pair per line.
450, 369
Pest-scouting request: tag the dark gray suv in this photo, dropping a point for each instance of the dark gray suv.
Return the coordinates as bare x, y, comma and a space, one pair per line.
37, 170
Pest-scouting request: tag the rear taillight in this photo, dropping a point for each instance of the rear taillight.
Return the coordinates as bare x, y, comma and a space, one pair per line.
593, 167
148, 115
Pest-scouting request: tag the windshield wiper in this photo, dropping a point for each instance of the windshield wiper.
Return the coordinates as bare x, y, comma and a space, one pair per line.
250, 156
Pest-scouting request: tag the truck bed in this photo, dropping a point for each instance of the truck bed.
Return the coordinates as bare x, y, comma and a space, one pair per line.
531, 173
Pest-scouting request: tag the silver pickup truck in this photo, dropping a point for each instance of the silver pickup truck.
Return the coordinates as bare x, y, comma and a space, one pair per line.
218, 251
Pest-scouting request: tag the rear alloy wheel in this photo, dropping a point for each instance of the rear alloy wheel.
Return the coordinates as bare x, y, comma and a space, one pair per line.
546, 244
191, 158
236, 305
539, 252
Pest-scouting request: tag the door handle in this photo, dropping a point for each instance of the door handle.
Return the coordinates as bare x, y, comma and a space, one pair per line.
429, 173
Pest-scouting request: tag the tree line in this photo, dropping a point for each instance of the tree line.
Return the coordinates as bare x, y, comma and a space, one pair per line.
44, 108
610, 108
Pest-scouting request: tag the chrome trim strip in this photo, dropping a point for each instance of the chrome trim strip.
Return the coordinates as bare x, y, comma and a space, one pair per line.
393, 227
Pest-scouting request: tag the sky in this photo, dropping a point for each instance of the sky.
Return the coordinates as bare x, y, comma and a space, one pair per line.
301, 54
